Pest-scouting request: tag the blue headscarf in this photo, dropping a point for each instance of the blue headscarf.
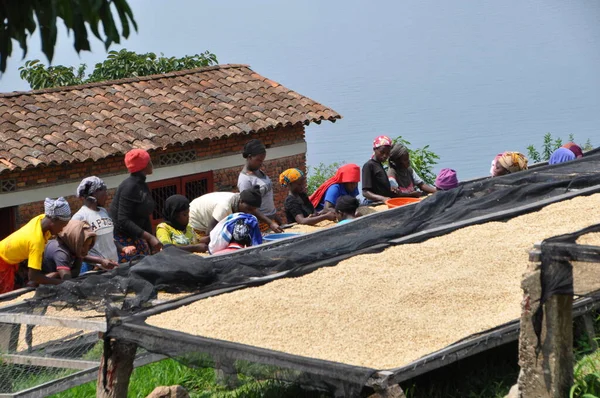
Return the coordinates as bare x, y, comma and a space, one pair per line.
230, 227
561, 155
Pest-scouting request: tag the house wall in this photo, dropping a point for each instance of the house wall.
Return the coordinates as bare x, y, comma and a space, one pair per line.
286, 148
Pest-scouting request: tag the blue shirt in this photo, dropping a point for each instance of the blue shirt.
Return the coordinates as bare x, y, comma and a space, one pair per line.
334, 192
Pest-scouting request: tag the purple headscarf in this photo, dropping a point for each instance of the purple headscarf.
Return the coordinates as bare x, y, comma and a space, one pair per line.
561, 155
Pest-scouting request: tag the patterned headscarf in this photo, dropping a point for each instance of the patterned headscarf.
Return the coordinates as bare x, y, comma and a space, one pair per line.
289, 176
513, 161
382, 140
88, 186
58, 208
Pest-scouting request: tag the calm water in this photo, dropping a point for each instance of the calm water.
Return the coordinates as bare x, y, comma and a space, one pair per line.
469, 78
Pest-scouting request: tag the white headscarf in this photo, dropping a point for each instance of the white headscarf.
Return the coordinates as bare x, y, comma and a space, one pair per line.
58, 208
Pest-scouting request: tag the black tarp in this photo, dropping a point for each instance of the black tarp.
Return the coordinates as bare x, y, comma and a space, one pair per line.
175, 270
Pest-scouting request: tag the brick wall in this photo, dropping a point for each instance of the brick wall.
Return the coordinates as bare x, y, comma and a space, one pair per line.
225, 179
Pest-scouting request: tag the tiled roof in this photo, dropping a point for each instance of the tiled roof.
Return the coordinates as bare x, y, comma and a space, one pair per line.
97, 120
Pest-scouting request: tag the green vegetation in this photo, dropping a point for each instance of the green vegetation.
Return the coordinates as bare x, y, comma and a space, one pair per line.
318, 175
422, 160
200, 383
587, 377
15, 378
550, 145
21, 18
118, 65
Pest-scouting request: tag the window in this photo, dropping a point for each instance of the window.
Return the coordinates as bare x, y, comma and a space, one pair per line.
8, 185
190, 186
169, 159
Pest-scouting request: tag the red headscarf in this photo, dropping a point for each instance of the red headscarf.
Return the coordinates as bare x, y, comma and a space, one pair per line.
346, 173
576, 149
136, 160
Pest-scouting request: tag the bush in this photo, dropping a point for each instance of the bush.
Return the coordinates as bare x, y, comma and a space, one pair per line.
550, 145
422, 160
319, 174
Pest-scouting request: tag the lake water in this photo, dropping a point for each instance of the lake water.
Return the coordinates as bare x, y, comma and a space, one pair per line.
469, 78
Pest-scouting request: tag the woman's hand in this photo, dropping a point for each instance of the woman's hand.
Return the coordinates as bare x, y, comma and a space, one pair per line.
416, 194
129, 250
330, 215
275, 227
107, 264
155, 244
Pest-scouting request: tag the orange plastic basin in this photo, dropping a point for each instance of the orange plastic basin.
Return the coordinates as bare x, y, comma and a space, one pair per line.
397, 202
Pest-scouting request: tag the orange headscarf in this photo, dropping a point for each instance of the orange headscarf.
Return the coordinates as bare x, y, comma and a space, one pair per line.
513, 161
346, 173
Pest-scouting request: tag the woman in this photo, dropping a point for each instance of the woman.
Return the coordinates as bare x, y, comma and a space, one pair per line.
132, 205
508, 162
251, 175
298, 207
576, 149
236, 231
446, 180
344, 182
345, 209
207, 210
64, 255
375, 183
561, 155
176, 229
403, 179
92, 191
28, 242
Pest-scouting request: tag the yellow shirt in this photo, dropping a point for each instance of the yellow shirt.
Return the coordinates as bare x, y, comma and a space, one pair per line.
26, 243
166, 234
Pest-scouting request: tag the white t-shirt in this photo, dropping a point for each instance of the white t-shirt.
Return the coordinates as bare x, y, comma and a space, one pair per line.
215, 205
102, 225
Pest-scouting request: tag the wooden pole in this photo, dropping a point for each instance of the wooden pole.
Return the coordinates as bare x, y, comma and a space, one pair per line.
549, 372
115, 369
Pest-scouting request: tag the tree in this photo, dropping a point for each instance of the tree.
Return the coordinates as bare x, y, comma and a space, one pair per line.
21, 18
118, 65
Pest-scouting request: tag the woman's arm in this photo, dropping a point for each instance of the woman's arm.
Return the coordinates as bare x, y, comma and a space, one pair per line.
373, 197
427, 188
103, 263
197, 248
37, 277
272, 224
300, 219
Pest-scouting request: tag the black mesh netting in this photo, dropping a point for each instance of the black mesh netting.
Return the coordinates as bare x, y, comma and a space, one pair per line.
557, 274
174, 270
130, 287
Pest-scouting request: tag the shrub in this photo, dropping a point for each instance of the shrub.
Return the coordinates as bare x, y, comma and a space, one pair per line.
550, 145
319, 174
422, 160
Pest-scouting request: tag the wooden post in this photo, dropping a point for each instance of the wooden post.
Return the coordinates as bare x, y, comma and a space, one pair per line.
118, 358
549, 373
225, 372
9, 337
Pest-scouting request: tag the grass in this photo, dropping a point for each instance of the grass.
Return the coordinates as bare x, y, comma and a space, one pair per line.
200, 383
485, 375
21, 377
